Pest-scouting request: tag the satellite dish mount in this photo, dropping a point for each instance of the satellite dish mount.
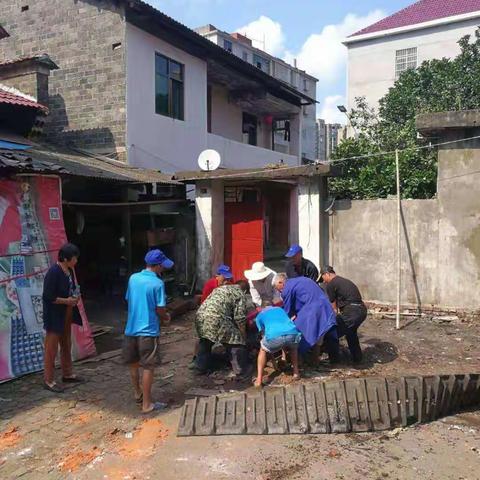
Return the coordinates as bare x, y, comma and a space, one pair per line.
209, 160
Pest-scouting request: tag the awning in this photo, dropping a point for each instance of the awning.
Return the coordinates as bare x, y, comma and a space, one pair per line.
46, 159
270, 173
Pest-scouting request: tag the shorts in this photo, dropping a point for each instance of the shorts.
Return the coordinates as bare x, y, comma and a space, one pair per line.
142, 350
284, 341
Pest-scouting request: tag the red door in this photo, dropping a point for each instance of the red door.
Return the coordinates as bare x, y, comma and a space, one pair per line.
243, 236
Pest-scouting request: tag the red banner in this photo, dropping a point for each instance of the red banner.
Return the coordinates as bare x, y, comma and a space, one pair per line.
31, 233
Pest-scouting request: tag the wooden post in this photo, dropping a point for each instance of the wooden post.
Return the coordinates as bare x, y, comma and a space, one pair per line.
399, 265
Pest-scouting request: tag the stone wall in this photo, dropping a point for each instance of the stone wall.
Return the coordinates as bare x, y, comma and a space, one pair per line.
440, 240
86, 39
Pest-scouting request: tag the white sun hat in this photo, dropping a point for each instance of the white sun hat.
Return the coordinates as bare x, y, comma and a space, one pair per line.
258, 272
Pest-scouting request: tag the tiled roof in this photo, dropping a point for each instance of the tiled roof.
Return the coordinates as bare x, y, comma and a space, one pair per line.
14, 99
421, 12
42, 58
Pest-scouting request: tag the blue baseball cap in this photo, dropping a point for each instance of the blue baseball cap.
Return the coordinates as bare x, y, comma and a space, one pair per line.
293, 250
157, 257
225, 271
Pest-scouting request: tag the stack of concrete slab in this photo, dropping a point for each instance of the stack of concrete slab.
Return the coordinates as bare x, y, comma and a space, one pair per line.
351, 405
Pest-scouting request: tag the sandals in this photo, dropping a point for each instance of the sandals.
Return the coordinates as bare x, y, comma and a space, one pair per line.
54, 388
139, 399
156, 406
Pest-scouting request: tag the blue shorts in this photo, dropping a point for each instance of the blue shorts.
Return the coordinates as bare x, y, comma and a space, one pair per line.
285, 341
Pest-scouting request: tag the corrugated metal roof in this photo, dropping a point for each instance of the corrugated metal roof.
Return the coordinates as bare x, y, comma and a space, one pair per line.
267, 173
421, 12
48, 160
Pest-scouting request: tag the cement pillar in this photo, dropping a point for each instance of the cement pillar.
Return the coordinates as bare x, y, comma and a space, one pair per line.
296, 136
209, 207
310, 219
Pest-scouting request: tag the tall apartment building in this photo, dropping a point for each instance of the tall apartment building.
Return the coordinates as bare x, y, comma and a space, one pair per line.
241, 46
426, 30
329, 135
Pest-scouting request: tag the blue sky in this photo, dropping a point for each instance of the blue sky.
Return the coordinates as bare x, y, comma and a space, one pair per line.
308, 30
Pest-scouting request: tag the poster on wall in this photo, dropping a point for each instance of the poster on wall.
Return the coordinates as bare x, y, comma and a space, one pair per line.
31, 233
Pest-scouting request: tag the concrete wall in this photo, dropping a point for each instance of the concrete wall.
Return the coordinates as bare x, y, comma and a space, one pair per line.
440, 239
371, 63
241, 155
226, 116
363, 245
459, 227
87, 93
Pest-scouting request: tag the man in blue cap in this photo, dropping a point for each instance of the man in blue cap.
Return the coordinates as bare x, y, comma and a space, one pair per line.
147, 303
223, 275
297, 266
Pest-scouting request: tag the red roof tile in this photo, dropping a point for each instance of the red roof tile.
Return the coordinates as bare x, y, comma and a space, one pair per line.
422, 11
13, 99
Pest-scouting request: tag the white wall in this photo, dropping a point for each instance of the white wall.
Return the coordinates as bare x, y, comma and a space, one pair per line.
156, 141
226, 116
241, 155
371, 63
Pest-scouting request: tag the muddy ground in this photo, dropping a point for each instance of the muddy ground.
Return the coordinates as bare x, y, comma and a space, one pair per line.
96, 431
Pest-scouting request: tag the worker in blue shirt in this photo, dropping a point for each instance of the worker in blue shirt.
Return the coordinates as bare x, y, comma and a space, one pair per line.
279, 333
146, 305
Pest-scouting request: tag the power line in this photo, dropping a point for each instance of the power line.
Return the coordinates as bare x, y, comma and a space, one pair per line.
392, 152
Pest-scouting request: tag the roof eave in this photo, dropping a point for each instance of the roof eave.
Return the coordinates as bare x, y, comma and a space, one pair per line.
410, 28
201, 47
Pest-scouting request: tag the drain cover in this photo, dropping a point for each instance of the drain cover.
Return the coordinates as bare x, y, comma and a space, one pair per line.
352, 405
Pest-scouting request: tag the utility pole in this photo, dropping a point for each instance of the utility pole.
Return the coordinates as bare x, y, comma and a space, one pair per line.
399, 265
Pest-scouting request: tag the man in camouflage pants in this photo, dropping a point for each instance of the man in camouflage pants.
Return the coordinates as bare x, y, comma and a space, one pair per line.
222, 319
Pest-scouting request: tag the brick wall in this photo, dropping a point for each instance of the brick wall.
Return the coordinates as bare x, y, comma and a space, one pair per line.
87, 93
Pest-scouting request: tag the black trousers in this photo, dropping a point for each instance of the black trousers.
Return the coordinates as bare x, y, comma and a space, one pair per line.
238, 357
350, 318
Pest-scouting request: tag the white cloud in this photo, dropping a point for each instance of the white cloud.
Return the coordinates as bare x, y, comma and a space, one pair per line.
323, 54
264, 29
329, 111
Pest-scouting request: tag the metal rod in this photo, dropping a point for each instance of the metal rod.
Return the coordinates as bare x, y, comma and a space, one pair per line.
399, 266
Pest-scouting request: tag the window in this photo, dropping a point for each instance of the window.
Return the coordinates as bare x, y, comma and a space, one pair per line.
404, 60
305, 85
168, 87
227, 45
293, 78
261, 63
245, 55
249, 129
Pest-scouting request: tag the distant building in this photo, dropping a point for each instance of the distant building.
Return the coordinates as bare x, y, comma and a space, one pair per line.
242, 47
328, 137
428, 29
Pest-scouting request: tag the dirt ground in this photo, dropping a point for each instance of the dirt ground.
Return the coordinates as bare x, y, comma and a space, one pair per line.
96, 431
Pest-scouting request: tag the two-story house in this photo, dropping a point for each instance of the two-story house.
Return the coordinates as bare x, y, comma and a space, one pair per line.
425, 30
242, 46
136, 85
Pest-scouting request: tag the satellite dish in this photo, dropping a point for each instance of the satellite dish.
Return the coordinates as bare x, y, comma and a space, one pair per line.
209, 160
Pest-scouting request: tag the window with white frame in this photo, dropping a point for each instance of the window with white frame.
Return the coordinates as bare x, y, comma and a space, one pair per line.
404, 60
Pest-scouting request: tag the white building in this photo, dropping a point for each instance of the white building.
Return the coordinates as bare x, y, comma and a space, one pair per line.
426, 30
242, 47
185, 95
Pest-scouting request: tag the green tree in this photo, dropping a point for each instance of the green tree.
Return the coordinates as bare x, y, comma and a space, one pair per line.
435, 86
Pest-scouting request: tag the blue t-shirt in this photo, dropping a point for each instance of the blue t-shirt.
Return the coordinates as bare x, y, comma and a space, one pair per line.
145, 292
274, 322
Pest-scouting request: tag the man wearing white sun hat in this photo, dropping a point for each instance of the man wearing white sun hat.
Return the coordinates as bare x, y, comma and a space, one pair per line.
262, 290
